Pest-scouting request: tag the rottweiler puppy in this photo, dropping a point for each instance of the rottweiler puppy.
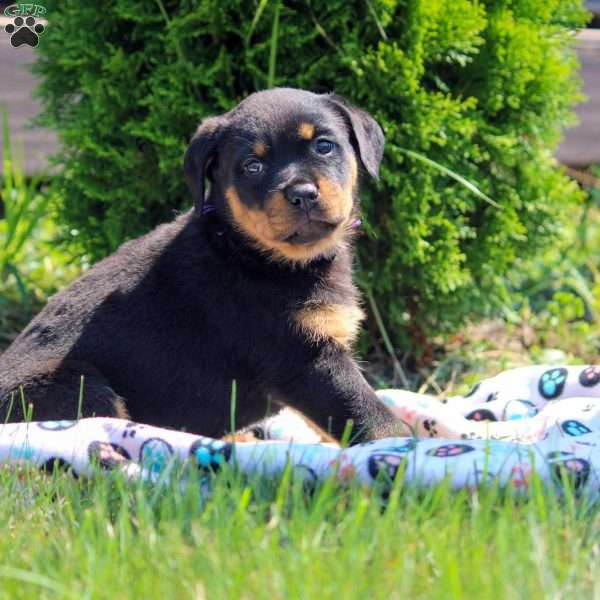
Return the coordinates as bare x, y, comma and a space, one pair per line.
253, 285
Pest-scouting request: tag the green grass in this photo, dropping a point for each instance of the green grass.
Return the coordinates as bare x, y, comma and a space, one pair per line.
106, 538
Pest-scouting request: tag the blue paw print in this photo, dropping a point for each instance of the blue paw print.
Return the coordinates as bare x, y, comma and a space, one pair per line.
574, 428
552, 383
210, 454
154, 455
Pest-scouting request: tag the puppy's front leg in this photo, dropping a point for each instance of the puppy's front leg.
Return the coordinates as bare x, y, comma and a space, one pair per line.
330, 390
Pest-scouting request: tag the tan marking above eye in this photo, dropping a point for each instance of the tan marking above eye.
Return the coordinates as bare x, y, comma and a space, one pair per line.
260, 149
306, 131
339, 322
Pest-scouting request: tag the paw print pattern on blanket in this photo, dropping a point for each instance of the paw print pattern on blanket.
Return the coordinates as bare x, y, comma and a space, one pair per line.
209, 454
590, 376
155, 454
481, 414
388, 459
450, 450
565, 433
429, 425
572, 470
388, 464
575, 428
552, 383
56, 463
107, 455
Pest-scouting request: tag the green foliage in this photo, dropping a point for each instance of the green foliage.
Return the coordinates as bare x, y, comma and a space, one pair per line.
105, 537
31, 264
23, 208
558, 293
471, 94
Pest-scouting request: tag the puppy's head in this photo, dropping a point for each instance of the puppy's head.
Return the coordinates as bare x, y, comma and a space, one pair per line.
283, 169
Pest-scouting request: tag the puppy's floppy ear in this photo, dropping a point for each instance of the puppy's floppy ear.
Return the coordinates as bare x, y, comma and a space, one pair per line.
200, 153
366, 134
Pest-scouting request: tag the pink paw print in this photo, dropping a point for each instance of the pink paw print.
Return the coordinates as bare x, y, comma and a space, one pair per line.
346, 471
520, 476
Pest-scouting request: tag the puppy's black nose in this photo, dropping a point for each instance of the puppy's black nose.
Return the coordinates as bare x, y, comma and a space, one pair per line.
302, 195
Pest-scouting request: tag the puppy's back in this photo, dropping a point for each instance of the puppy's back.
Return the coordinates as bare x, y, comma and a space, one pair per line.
92, 310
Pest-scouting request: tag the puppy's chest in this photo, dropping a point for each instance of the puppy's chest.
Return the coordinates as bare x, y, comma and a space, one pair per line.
321, 321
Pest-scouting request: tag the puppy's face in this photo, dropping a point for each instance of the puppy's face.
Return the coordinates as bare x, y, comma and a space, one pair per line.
284, 168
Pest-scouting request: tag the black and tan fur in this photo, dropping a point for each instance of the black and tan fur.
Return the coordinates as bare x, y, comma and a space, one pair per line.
253, 285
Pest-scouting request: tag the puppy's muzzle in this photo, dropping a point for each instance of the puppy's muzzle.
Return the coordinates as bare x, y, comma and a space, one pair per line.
304, 196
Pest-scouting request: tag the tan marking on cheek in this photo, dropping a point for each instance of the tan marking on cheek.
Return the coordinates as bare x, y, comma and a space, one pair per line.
339, 322
336, 200
306, 131
281, 219
253, 222
267, 227
260, 149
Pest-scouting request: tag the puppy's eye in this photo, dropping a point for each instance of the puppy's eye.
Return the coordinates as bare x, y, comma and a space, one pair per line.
253, 167
324, 146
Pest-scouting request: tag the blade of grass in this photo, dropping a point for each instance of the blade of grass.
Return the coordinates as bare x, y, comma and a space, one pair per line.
32, 221
36, 579
452, 174
7, 157
233, 406
380, 28
385, 337
80, 398
273, 52
257, 15
11, 269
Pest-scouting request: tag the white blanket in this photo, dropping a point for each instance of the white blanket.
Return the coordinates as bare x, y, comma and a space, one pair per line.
540, 419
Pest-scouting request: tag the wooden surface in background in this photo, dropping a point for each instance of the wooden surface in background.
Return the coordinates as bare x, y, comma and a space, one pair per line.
16, 87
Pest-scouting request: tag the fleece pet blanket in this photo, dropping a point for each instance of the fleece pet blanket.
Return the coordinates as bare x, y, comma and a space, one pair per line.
539, 419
